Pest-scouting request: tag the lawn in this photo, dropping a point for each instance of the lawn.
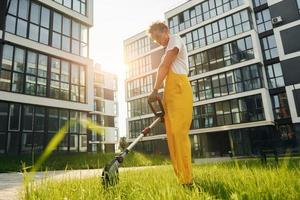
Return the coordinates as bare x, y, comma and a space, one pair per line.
61, 161
246, 179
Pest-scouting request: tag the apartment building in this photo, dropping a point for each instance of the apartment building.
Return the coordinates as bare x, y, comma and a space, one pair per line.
46, 75
243, 58
105, 112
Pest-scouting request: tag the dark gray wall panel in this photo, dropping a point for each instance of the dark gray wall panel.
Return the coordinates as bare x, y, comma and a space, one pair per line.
297, 100
287, 9
291, 39
291, 70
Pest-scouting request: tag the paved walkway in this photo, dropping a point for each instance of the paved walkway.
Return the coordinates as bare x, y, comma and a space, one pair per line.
11, 183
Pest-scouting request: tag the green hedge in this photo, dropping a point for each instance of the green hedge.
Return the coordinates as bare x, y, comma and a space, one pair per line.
59, 161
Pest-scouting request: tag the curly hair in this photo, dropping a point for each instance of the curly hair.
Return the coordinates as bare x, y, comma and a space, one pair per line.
157, 26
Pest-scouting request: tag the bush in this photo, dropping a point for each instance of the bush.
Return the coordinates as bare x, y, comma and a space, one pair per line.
61, 161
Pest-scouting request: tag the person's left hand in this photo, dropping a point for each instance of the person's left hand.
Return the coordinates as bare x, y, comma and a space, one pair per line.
153, 96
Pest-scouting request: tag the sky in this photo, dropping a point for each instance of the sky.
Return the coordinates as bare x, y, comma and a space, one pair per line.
115, 21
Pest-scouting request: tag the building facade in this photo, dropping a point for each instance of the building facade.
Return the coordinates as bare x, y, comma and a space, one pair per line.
142, 57
46, 75
105, 111
244, 74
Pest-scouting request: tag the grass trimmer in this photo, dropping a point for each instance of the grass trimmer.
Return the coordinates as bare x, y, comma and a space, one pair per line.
110, 173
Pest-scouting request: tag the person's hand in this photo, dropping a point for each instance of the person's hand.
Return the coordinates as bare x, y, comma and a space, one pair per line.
153, 96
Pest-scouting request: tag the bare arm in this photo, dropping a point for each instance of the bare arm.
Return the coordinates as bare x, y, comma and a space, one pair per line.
165, 66
163, 70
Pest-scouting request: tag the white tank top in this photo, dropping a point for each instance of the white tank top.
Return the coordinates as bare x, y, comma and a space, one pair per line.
180, 64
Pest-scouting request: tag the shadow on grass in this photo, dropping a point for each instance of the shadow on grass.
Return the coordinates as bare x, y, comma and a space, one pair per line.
215, 188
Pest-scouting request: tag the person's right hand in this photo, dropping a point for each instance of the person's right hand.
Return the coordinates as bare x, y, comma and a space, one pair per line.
153, 96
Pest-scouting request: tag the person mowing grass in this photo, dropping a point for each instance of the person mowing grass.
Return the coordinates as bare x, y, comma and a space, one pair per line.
177, 99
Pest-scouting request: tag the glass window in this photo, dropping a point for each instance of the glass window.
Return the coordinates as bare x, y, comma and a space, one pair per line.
23, 9
55, 69
53, 120
65, 71
3, 116
221, 56
57, 22
82, 75
75, 93
83, 49
227, 83
259, 2
75, 47
42, 68
44, 36
76, 5
7, 58
17, 82
31, 63
55, 89
236, 19
216, 86
33, 32
56, 40
39, 119
19, 64
83, 118
64, 91
30, 87
41, 86
66, 42
28, 118
275, 76
13, 7
235, 111
5, 80
35, 13
263, 21
22, 28
66, 26
14, 117
75, 73
223, 84
45, 17
75, 30
269, 47
83, 143
83, 8
84, 34
63, 117
10, 25
68, 3
280, 106
74, 116
33, 79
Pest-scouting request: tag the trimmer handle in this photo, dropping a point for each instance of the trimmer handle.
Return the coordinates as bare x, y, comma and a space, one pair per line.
160, 113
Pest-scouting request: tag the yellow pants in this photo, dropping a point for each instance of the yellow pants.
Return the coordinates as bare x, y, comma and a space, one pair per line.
178, 104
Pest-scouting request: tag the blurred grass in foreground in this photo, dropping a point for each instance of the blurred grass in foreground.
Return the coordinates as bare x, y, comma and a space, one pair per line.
245, 179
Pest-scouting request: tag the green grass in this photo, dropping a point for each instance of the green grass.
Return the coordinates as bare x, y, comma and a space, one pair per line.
79, 161
233, 180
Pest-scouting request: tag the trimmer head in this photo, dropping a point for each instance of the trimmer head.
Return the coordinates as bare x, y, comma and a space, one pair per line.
110, 173
109, 178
